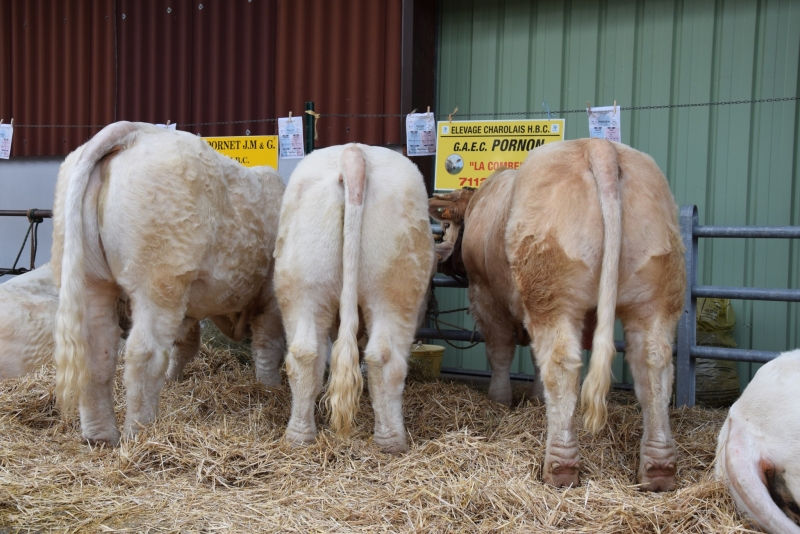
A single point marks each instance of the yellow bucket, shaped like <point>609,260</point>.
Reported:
<point>428,358</point>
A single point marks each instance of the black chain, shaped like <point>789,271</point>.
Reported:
<point>444,115</point>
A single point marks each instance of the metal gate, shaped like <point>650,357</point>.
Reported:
<point>686,349</point>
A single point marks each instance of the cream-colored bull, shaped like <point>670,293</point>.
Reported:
<point>28,305</point>
<point>354,234</point>
<point>759,444</point>
<point>581,224</point>
<point>185,233</point>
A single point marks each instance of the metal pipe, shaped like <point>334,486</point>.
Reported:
<point>465,335</point>
<point>776,232</point>
<point>452,335</point>
<point>310,126</point>
<point>45,214</point>
<point>687,327</point>
<point>747,293</point>
<point>448,281</point>
<point>737,355</point>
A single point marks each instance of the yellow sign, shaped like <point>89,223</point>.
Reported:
<point>249,150</point>
<point>467,152</point>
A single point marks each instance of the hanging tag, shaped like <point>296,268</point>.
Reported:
<point>604,123</point>
<point>420,134</point>
<point>6,132</point>
<point>290,137</point>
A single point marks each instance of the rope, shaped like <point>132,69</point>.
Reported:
<point>442,116</point>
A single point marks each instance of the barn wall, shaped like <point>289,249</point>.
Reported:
<point>738,163</point>
<point>90,62</point>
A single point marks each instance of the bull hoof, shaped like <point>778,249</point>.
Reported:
<point>103,438</point>
<point>657,476</point>
<point>173,377</point>
<point>299,439</point>
<point>562,474</point>
<point>501,397</point>
<point>392,445</point>
<point>269,380</point>
<point>537,390</point>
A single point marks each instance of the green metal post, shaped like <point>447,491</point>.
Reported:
<point>309,128</point>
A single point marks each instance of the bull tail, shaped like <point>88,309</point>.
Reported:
<point>604,165</point>
<point>71,331</point>
<point>749,477</point>
<point>345,382</point>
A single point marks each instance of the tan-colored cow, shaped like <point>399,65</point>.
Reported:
<point>185,233</point>
<point>581,224</point>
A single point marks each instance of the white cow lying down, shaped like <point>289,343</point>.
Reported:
<point>28,305</point>
<point>185,233</point>
<point>758,452</point>
<point>354,235</point>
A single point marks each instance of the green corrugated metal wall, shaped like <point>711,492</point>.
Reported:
<point>738,163</point>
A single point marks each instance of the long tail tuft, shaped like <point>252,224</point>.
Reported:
<point>345,382</point>
<point>603,160</point>
<point>71,332</point>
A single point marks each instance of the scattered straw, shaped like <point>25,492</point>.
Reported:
<point>214,460</point>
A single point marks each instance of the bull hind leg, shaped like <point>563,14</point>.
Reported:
<point>387,356</point>
<point>649,353</point>
<point>557,350</point>
<point>98,421</point>
<point>268,344</point>
<point>185,349</point>
<point>496,326</point>
<point>147,354</point>
<point>305,367</point>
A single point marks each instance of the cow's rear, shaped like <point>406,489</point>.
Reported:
<point>586,224</point>
<point>181,231</point>
<point>354,235</point>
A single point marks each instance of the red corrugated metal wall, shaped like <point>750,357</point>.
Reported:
<point>345,61</point>
<point>82,62</point>
<point>5,59</point>
<point>58,74</point>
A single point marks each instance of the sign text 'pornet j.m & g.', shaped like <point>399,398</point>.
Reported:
<point>467,152</point>
<point>249,150</point>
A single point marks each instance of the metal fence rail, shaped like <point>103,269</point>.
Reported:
<point>688,350</point>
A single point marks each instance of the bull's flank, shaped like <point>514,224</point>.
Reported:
<point>215,460</point>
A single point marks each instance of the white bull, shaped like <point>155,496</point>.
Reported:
<point>28,305</point>
<point>757,450</point>
<point>354,235</point>
<point>183,232</point>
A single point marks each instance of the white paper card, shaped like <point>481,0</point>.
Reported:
<point>6,132</point>
<point>290,137</point>
<point>604,123</point>
<point>420,134</point>
<point>171,126</point>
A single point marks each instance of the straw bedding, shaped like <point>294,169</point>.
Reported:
<point>214,460</point>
